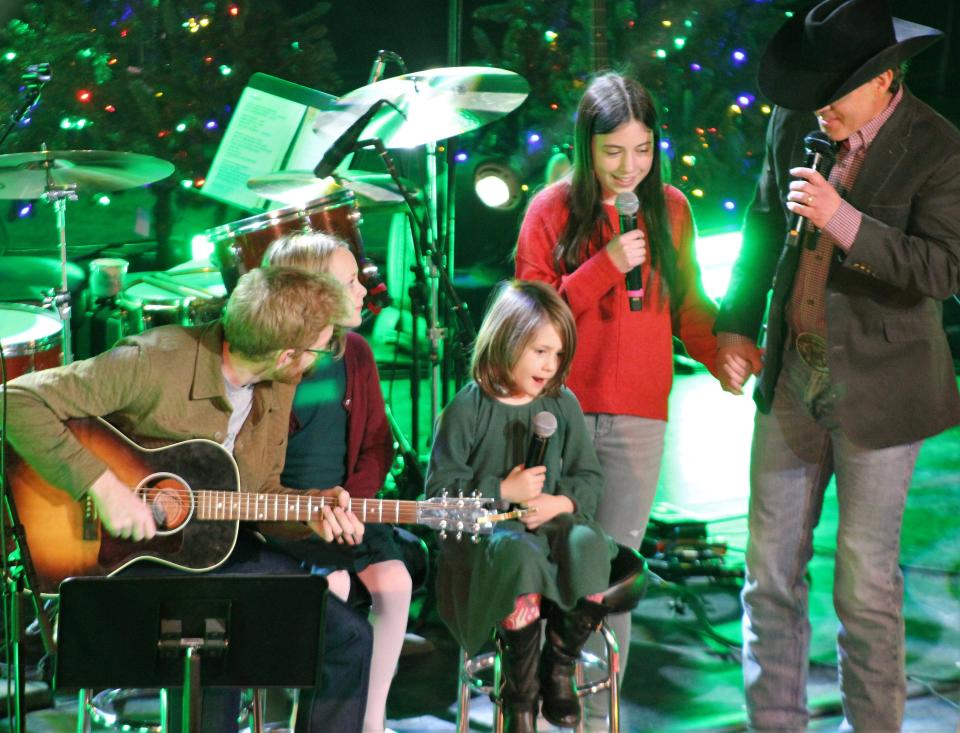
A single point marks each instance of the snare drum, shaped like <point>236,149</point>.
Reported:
<point>190,294</point>
<point>239,247</point>
<point>31,338</point>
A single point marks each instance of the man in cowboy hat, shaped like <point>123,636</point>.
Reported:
<point>856,369</point>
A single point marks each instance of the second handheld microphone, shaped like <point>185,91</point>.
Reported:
<point>627,206</point>
<point>543,425</point>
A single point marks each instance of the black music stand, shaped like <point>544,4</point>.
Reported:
<point>249,630</point>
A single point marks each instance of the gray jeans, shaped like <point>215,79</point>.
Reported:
<point>796,450</point>
<point>630,450</point>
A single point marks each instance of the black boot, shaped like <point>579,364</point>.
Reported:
<point>567,632</point>
<point>520,651</point>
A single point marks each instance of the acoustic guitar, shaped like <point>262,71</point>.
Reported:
<point>193,490</point>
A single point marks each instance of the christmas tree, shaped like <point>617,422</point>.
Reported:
<point>157,77</point>
<point>699,60</point>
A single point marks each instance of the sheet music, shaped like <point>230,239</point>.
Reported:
<point>255,143</point>
<point>270,130</point>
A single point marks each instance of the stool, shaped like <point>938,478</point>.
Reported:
<point>143,710</point>
<point>628,583</point>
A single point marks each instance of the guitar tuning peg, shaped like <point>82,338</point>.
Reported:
<point>459,536</point>
<point>475,539</point>
<point>443,534</point>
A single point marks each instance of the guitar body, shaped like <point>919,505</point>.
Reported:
<point>65,538</point>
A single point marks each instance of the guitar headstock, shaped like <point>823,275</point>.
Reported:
<point>472,515</point>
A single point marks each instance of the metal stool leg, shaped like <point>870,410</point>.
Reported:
<point>256,710</point>
<point>463,696</point>
<point>613,670</point>
<point>609,682</point>
<point>469,680</point>
<point>84,698</point>
<point>498,690</point>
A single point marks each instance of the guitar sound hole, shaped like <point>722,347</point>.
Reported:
<point>170,501</point>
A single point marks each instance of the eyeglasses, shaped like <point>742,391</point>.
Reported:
<point>318,352</point>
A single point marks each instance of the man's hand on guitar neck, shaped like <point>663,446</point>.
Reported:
<point>339,523</point>
<point>122,512</point>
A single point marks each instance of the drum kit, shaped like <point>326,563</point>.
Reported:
<point>406,111</point>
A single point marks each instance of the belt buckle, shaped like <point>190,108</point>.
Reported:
<point>813,350</point>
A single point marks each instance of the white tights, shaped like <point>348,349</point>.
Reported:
<point>390,588</point>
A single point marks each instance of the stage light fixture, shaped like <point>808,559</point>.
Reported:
<point>496,185</point>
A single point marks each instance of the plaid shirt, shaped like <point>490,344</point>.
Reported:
<point>806,311</point>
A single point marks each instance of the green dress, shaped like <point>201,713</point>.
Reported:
<point>478,441</point>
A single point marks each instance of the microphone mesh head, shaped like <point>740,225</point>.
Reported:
<point>819,142</point>
<point>627,203</point>
<point>544,424</point>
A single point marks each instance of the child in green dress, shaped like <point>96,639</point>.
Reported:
<point>555,560</point>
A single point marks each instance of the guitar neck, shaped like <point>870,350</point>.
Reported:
<point>250,507</point>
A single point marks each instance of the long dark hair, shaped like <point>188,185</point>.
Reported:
<point>612,100</point>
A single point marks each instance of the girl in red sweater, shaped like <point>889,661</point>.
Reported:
<point>623,369</point>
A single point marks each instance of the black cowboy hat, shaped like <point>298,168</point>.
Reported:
<point>821,55</point>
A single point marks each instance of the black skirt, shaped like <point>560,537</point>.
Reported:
<point>378,545</point>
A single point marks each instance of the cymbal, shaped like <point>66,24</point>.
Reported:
<point>28,279</point>
<point>27,175</point>
<point>430,105</point>
<point>297,187</point>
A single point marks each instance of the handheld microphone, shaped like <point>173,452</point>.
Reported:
<point>543,425</point>
<point>344,144</point>
<point>821,154</point>
<point>627,206</point>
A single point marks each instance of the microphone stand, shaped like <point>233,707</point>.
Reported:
<point>424,250</point>
<point>20,578</point>
<point>32,79</point>
<point>438,274</point>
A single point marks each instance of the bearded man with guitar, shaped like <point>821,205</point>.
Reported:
<point>229,383</point>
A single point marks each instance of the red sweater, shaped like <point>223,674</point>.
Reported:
<point>624,359</point>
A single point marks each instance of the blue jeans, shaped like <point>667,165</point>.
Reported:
<point>796,450</point>
<point>339,704</point>
<point>630,451</point>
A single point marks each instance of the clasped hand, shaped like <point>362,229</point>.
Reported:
<point>735,364</point>
<point>524,486</point>
<point>628,250</point>
<point>812,197</point>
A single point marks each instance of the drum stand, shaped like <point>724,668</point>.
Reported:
<point>438,279</point>
<point>58,196</point>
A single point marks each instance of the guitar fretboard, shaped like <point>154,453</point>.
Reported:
<point>251,507</point>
